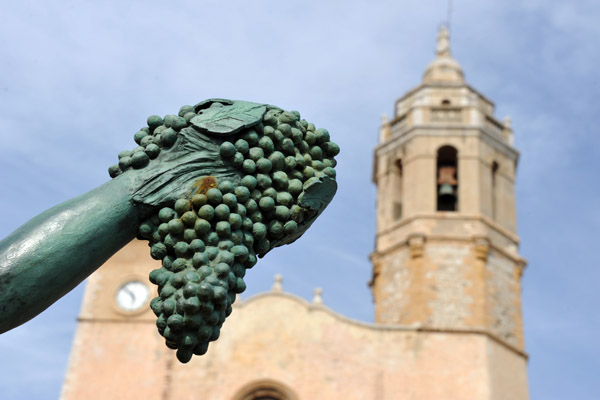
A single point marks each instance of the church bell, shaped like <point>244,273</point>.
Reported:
<point>447,182</point>
<point>446,190</point>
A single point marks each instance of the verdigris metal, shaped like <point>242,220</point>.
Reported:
<point>211,189</point>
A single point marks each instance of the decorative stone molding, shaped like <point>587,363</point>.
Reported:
<point>446,115</point>
<point>377,265</point>
<point>481,248</point>
<point>385,130</point>
<point>416,243</point>
<point>520,268</point>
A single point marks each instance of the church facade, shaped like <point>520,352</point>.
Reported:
<point>446,285</point>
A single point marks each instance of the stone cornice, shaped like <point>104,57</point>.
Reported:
<point>457,216</point>
<point>467,238</point>
<point>468,130</point>
<point>448,85</point>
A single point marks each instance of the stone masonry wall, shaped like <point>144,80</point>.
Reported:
<point>503,298</point>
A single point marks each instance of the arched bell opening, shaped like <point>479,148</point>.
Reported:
<point>447,179</point>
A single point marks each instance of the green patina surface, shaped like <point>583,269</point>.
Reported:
<point>211,189</point>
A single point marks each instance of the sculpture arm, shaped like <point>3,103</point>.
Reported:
<point>53,252</point>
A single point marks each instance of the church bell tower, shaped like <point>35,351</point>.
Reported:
<point>446,255</point>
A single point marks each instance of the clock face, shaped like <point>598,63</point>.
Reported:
<point>132,295</point>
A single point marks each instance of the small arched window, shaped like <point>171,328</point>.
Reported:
<point>447,179</point>
<point>397,205</point>
<point>494,190</point>
<point>445,102</point>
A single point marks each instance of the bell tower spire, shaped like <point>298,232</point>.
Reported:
<point>444,68</point>
<point>443,43</point>
<point>446,255</point>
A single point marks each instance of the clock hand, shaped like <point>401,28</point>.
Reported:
<point>130,293</point>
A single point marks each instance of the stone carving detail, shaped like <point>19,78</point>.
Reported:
<point>416,243</point>
<point>482,248</point>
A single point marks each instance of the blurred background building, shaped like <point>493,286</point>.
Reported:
<point>445,284</point>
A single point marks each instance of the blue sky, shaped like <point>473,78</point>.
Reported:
<point>78,79</point>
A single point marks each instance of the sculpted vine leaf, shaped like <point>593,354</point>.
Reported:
<point>228,119</point>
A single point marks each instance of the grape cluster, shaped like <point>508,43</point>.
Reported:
<point>276,163</point>
<point>204,244</point>
<point>159,134</point>
<point>207,240</point>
